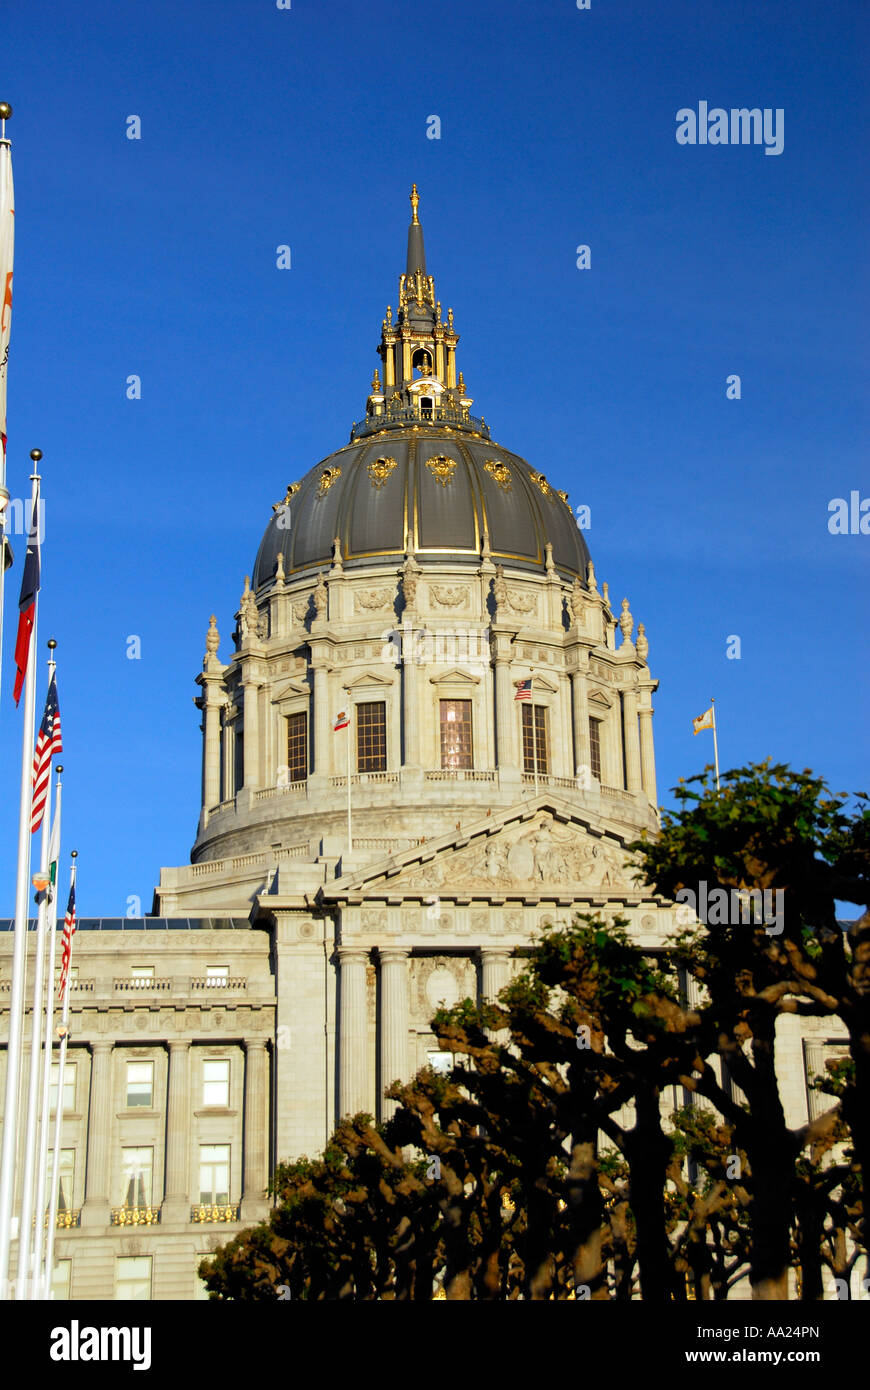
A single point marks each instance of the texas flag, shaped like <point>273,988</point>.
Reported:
<point>27,601</point>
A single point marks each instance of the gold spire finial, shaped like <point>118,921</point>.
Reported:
<point>415,202</point>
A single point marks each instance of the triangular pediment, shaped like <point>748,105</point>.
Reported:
<point>455,677</point>
<point>368,678</point>
<point>293,686</point>
<point>542,848</point>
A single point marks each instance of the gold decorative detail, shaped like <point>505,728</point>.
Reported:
<point>564,497</point>
<point>291,488</point>
<point>135,1216</point>
<point>205,1213</point>
<point>500,471</point>
<point>327,478</point>
<point>379,470</point>
<point>415,203</point>
<point>540,481</point>
<point>442,468</point>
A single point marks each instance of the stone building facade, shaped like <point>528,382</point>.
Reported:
<point>423,613</point>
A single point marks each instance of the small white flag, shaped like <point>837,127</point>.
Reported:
<point>704,721</point>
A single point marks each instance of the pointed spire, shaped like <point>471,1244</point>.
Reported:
<point>416,252</point>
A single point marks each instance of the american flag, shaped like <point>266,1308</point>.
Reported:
<point>69,926</point>
<point>524,690</point>
<point>47,745</point>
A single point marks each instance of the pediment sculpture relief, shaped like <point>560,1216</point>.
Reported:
<point>543,854</point>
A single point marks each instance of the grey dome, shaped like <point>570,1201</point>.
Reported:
<point>376,492</point>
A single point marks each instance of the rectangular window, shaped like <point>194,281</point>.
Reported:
<point>137,1173</point>
<point>60,1279</point>
<point>371,737</point>
<point>535,738</point>
<point>297,747</point>
<point>200,1292</point>
<point>216,1082</point>
<point>67,1174</point>
<point>132,1278</point>
<point>69,1086</point>
<point>456,746</point>
<point>140,1084</point>
<point>238,737</point>
<point>214,1175</point>
<point>595,747</point>
<point>439,1061</point>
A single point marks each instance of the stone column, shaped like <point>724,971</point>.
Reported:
<point>394,1020</point>
<point>322,761</point>
<point>251,735</point>
<point>495,973</point>
<point>256,1150</point>
<point>411,720</point>
<point>95,1211</point>
<point>211,747</point>
<point>504,713</point>
<point>632,740</point>
<point>647,755</point>
<point>582,751</point>
<point>176,1201</point>
<point>353,1031</point>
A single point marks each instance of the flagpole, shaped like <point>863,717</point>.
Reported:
<point>715,742</point>
<point>39,1230</point>
<point>63,1035</point>
<point>5,195</point>
<point>22,903</point>
<point>28,1173</point>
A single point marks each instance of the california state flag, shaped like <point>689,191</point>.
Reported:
<point>704,721</point>
<point>7,245</point>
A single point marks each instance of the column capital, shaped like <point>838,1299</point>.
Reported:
<point>102,1045</point>
<point>255,1044</point>
<point>353,955</point>
<point>500,954</point>
<point>393,954</point>
<point>177,1044</point>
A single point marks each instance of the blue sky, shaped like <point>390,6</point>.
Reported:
<point>263,127</point>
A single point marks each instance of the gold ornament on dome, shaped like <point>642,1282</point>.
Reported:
<point>291,489</point>
<point>327,478</point>
<point>379,470</point>
<point>500,472</point>
<point>564,497</point>
<point>442,468</point>
<point>540,481</point>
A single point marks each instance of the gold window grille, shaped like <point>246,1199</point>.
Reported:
<point>595,747</point>
<point>371,736</point>
<point>297,747</point>
<point>456,742</point>
<point>535,738</point>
